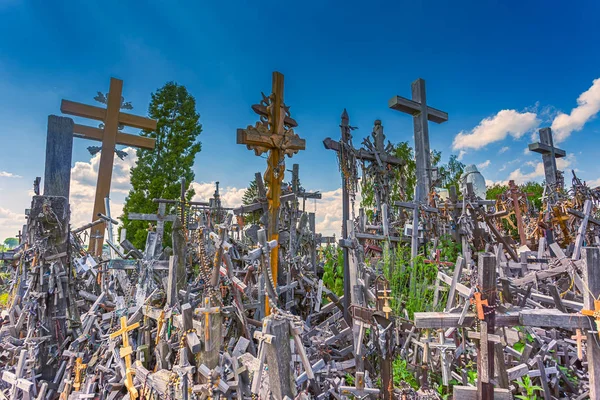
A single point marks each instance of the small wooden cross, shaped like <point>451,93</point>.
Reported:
<point>595,314</point>
<point>479,305</point>
<point>580,338</point>
<point>484,337</point>
<point>207,310</point>
<point>110,136</point>
<point>125,353</point>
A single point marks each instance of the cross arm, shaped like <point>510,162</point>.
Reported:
<point>97,113</point>
<point>91,133</point>
<point>552,318</point>
<point>331,144</point>
<point>579,214</point>
<point>542,148</point>
<point>151,217</point>
<point>411,107</point>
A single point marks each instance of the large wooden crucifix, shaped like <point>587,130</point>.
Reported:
<point>549,153</point>
<point>110,136</point>
<point>421,113</point>
<point>274,134</point>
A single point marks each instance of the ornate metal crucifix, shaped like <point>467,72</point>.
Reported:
<point>273,134</point>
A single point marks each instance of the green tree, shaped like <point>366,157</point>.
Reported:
<point>449,174</point>
<point>11,242</point>
<point>536,190</point>
<point>158,172</point>
<point>250,196</point>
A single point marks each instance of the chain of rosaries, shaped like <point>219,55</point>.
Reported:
<point>205,269</point>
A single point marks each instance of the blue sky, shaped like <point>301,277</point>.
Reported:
<point>533,59</point>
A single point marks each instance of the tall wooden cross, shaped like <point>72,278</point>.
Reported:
<point>110,136</point>
<point>549,153</point>
<point>273,134</point>
<point>347,155</point>
<point>421,113</point>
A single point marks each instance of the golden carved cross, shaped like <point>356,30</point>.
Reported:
<point>110,136</point>
<point>273,134</point>
<point>125,353</point>
<point>79,368</point>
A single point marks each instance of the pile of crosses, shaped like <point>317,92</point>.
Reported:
<point>227,309</point>
<point>521,305</point>
<point>235,307</point>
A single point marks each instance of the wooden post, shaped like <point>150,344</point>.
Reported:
<point>59,150</point>
<point>591,275</point>
<point>486,280</point>
<point>279,355</point>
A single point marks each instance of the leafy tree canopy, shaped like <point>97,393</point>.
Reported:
<point>158,172</point>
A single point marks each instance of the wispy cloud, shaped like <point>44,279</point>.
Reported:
<point>538,170</point>
<point>4,174</point>
<point>503,150</point>
<point>484,165</point>
<point>588,105</point>
<point>496,128</point>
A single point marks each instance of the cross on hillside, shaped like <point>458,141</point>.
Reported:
<point>421,113</point>
<point>110,136</point>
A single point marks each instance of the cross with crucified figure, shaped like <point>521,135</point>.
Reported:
<point>273,134</point>
<point>110,136</point>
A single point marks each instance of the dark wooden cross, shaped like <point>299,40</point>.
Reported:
<point>343,146</point>
<point>549,153</point>
<point>515,194</point>
<point>273,134</point>
<point>110,136</point>
<point>421,112</point>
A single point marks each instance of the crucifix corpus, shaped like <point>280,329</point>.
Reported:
<point>274,134</point>
<point>113,120</point>
<point>421,113</point>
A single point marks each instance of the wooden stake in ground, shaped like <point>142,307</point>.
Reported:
<point>273,134</point>
<point>110,136</point>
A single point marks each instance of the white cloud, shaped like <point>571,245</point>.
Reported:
<point>538,170</point>
<point>483,165</point>
<point>588,105</point>
<point>11,222</point>
<point>503,150</point>
<point>4,174</point>
<point>496,128</point>
<point>461,155</point>
<point>230,196</point>
<point>593,183</point>
<point>84,176</point>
